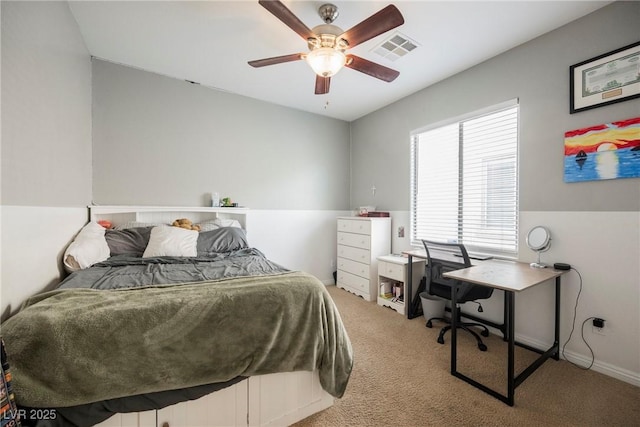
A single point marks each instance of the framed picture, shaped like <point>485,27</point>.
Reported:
<point>605,79</point>
<point>606,151</point>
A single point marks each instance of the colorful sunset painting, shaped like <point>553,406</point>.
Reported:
<point>607,151</point>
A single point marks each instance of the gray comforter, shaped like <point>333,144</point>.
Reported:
<point>128,271</point>
<point>73,346</point>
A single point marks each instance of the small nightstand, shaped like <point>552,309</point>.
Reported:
<point>393,268</point>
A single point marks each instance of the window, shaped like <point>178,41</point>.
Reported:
<point>464,182</point>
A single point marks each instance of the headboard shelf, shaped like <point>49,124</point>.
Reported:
<point>165,214</point>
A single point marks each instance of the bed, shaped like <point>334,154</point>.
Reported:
<point>173,327</point>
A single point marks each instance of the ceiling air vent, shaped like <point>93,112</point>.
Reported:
<point>395,47</point>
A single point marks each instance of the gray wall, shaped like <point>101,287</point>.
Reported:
<point>46,107</point>
<point>163,141</point>
<point>538,74</point>
<point>46,145</point>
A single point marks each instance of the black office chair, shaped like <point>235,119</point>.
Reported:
<point>442,257</point>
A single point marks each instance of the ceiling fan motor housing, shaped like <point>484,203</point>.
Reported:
<point>327,35</point>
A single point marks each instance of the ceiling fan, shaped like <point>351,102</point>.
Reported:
<point>328,43</point>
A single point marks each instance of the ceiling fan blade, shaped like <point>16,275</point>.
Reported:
<point>371,68</point>
<point>275,60</point>
<point>322,85</point>
<point>281,12</point>
<point>378,23</point>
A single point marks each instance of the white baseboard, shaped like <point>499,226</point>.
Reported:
<point>607,369</point>
<point>603,368</point>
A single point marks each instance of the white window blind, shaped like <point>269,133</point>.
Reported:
<point>465,182</point>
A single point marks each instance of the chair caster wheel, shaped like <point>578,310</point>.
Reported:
<point>482,347</point>
<point>484,333</point>
<point>440,340</point>
<point>429,324</point>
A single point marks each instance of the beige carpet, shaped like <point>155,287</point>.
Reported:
<point>401,378</point>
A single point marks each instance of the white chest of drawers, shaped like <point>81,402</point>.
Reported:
<point>360,241</point>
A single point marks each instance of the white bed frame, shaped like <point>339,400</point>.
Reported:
<point>264,400</point>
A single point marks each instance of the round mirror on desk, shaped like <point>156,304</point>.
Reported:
<point>539,240</point>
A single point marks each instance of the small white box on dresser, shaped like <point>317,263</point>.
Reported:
<point>360,241</point>
<point>394,268</point>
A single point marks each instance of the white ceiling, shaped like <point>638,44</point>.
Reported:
<point>210,42</point>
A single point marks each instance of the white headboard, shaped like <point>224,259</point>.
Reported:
<point>165,214</point>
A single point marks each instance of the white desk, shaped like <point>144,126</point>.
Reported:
<point>511,277</point>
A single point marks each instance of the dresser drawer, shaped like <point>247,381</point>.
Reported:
<point>353,267</point>
<point>356,240</point>
<point>353,281</point>
<point>354,226</point>
<point>355,254</point>
<point>392,271</point>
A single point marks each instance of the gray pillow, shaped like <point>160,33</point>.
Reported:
<point>224,239</point>
<point>131,241</point>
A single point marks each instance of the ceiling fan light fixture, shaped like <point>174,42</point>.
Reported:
<point>327,42</point>
<point>326,61</point>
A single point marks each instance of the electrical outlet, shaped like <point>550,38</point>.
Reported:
<point>598,326</point>
<point>400,231</point>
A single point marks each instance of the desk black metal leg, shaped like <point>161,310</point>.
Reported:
<point>454,328</point>
<point>511,386</point>
<point>505,316</point>
<point>556,341</point>
<point>409,296</point>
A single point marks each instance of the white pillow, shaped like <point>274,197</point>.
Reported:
<point>172,241</point>
<point>208,225</point>
<point>226,222</point>
<point>88,248</point>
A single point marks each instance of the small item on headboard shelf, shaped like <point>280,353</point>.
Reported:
<point>215,200</point>
<point>377,214</point>
<point>227,203</point>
